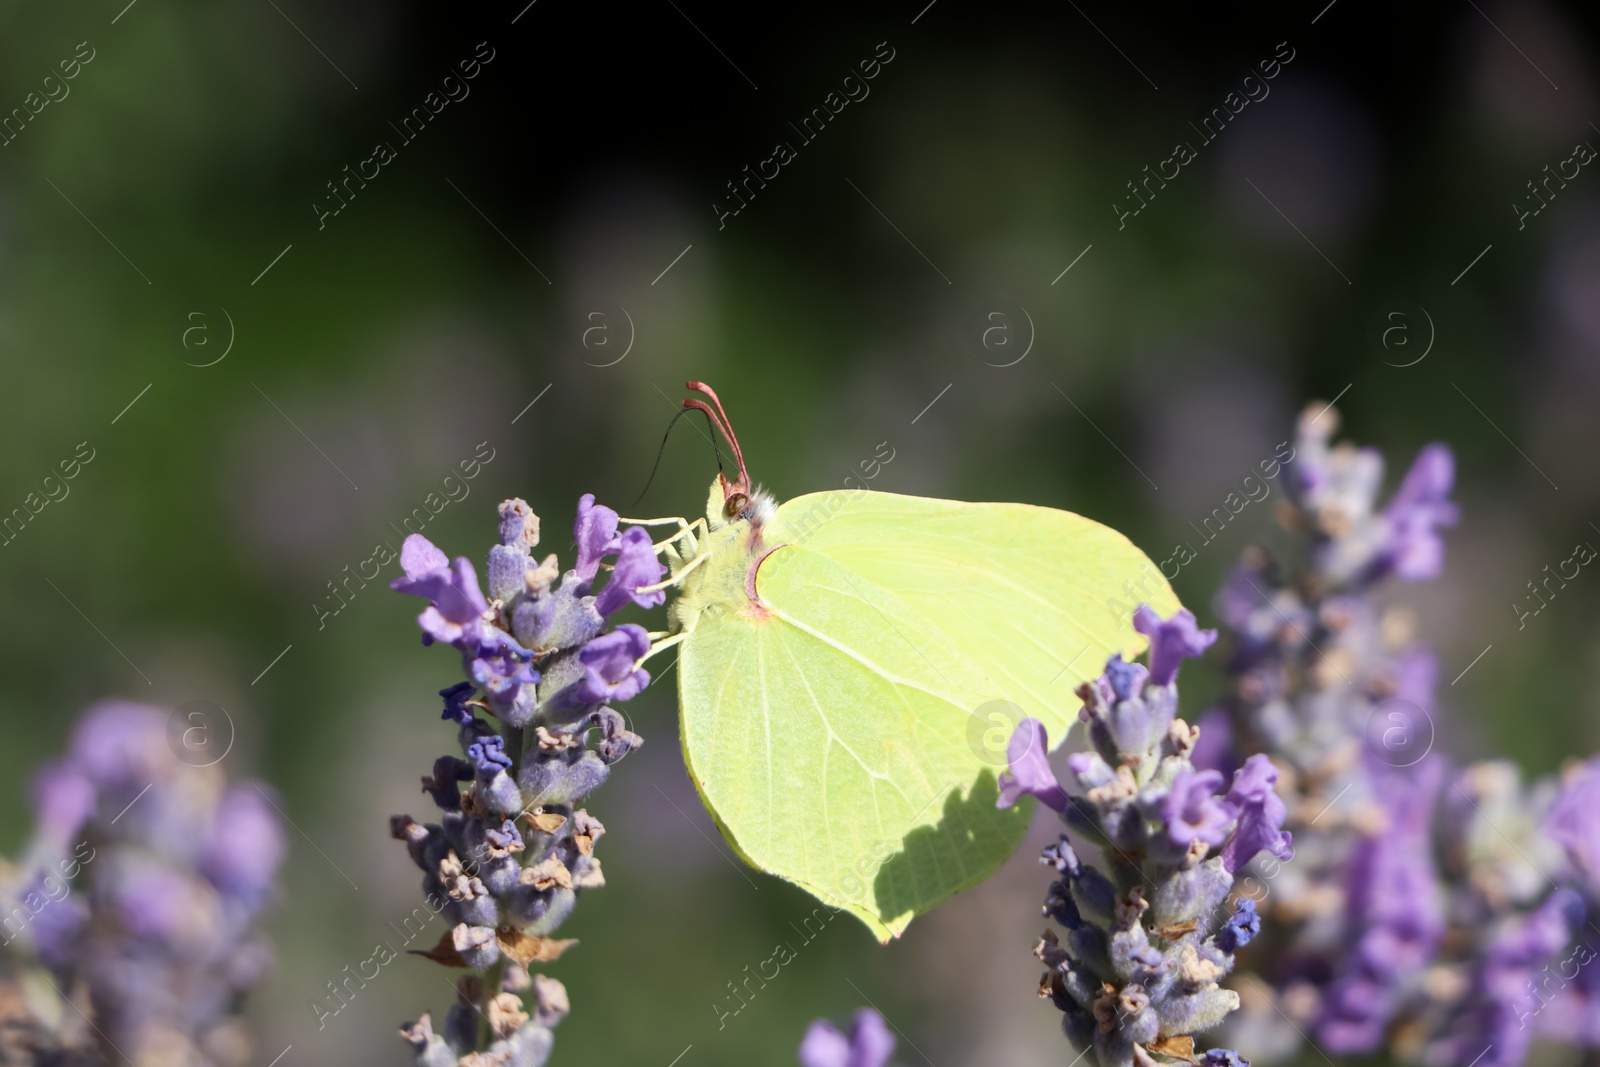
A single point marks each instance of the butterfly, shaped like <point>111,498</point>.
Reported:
<point>852,662</point>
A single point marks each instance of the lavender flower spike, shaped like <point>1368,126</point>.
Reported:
<point>869,1045</point>
<point>513,849</point>
<point>1148,935</point>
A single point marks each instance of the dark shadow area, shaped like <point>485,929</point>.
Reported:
<point>967,820</point>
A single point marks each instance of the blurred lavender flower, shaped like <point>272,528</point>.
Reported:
<point>869,1045</point>
<point>512,849</point>
<point>137,902</point>
<point>1574,822</point>
<point>1489,1023</point>
<point>1149,938</point>
<point>1395,913</point>
<point>1423,901</point>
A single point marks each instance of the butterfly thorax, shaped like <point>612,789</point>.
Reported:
<point>725,582</point>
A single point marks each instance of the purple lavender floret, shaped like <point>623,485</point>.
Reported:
<point>1223,1057</point>
<point>1260,813</point>
<point>513,848</point>
<point>458,615</point>
<point>1171,641</point>
<point>596,534</point>
<point>455,603</point>
<point>636,567</point>
<point>443,784</point>
<point>455,703</point>
<point>1148,935</point>
<point>489,755</point>
<point>1028,772</point>
<point>141,893</point>
<point>608,664</point>
<point>1193,811</point>
<point>1241,927</point>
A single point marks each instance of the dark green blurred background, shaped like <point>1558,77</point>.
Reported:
<point>850,292</point>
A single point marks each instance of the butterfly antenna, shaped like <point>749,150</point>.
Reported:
<point>662,451</point>
<point>722,423</point>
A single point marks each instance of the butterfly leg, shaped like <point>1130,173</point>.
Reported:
<point>683,546</point>
<point>669,520</point>
<point>663,645</point>
<point>678,575</point>
<point>688,530</point>
<point>685,529</point>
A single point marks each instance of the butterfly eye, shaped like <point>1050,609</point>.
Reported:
<point>735,504</point>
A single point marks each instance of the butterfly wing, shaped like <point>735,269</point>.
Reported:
<point>1037,598</point>
<point>828,733</point>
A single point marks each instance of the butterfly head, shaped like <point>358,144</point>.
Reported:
<point>727,503</point>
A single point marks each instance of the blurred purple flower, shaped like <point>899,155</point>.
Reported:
<point>246,846</point>
<point>870,1043</point>
<point>1415,551</point>
<point>144,910</point>
<point>118,744</point>
<point>1574,819</point>
<point>64,799</point>
<point>1396,913</point>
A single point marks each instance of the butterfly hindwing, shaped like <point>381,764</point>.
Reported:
<point>828,734</point>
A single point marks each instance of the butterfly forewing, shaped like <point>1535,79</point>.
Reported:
<point>1037,598</point>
